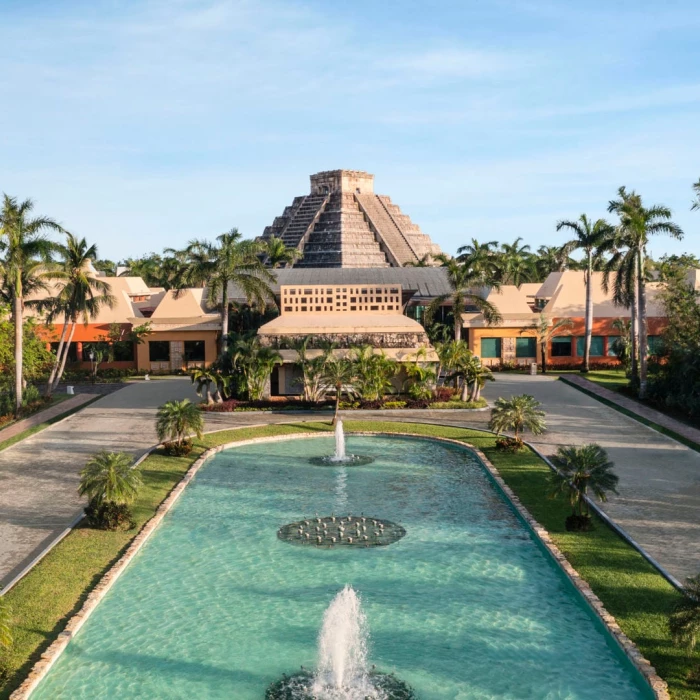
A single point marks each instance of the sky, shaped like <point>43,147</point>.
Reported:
<point>142,125</point>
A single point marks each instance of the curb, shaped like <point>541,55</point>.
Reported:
<point>53,652</point>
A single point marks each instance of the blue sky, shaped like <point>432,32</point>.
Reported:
<point>144,124</point>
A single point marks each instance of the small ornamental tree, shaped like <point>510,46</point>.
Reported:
<point>111,483</point>
<point>518,413</point>
<point>340,378</point>
<point>582,470</point>
<point>176,420</point>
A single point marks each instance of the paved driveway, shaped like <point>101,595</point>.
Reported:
<point>39,476</point>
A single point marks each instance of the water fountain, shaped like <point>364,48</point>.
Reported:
<point>342,672</point>
<point>342,531</point>
<point>340,456</point>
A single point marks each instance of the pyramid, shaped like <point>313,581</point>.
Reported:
<point>342,223</point>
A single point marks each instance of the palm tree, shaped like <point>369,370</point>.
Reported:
<point>109,477</point>
<point>374,373</point>
<point>465,285</point>
<point>340,375</point>
<point>204,378</point>
<point>176,420</point>
<point>451,354</point>
<point>696,203</point>
<point>22,245</point>
<point>480,258</point>
<point>420,380</point>
<point>637,223</point>
<point>622,344</point>
<point>552,259</point>
<point>475,376</point>
<point>5,620</point>
<point>518,413</point>
<point>278,255</point>
<point>579,470</point>
<point>593,238</point>
<point>544,330</point>
<point>684,622</point>
<point>256,362</point>
<point>233,261</point>
<point>425,261</point>
<point>82,296</point>
<point>311,369</point>
<point>515,263</point>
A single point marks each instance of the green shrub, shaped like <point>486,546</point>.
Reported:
<point>109,516</point>
<point>394,404</point>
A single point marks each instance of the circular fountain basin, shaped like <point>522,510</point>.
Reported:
<point>299,686</point>
<point>347,461</point>
<point>346,531</point>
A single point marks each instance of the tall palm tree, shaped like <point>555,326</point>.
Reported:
<point>552,259</point>
<point>544,330</point>
<point>340,375</point>
<point>684,622</point>
<point>465,285</point>
<point>696,203</point>
<point>22,245</point>
<point>593,238</point>
<point>637,223</point>
<point>481,258</point>
<point>425,261</point>
<point>517,413</point>
<point>81,297</point>
<point>109,477</point>
<point>176,420</point>
<point>231,261</point>
<point>516,263</point>
<point>579,470</point>
<point>278,255</point>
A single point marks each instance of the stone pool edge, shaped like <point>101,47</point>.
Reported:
<point>49,657</point>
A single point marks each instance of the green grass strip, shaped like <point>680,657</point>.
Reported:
<point>41,426</point>
<point>631,414</point>
<point>630,588</point>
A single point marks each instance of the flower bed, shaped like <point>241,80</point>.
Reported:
<point>281,404</point>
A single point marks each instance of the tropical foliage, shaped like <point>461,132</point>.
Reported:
<point>684,622</point>
<point>111,483</point>
<point>255,362</point>
<point>581,470</point>
<point>176,420</point>
<point>374,373</point>
<point>518,413</point>
<point>544,329</point>
<point>340,378</point>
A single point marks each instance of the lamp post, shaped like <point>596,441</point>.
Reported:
<point>92,363</point>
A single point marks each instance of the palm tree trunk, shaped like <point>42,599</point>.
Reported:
<point>66,350</point>
<point>634,329</point>
<point>224,318</point>
<point>543,347</point>
<point>19,353</point>
<point>465,390</point>
<point>642,301</point>
<point>59,352</point>
<point>209,398</point>
<point>589,316</point>
<point>458,323</point>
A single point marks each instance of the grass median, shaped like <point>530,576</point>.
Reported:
<point>628,585</point>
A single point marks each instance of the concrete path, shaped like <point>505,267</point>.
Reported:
<point>42,416</point>
<point>651,414</point>
<point>39,475</point>
<point>659,501</point>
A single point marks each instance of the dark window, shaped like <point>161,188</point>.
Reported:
<point>561,346</point>
<point>159,351</point>
<point>124,351</point>
<point>194,351</point>
<point>611,345</point>
<point>655,344</point>
<point>525,347</point>
<point>596,346</point>
<point>72,351</point>
<point>490,347</point>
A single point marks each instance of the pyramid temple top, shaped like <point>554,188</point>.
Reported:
<point>350,181</point>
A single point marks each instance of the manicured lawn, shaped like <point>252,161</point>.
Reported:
<point>613,379</point>
<point>629,587</point>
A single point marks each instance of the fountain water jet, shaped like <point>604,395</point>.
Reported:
<point>342,672</point>
<point>340,456</point>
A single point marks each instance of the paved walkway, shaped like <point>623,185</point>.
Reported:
<point>39,475</point>
<point>651,414</point>
<point>42,416</point>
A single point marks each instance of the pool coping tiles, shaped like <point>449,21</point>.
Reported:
<point>56,648</point>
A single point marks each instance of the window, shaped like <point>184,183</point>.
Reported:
<point>194,351</point>
<point>525,347</point>
<point>596,346</point>
<point>72,351</point>
<point>490,347</point>
<point>655,344</point>
<point>612,339</point>
<point>561,346</point>
<point>159,351</point>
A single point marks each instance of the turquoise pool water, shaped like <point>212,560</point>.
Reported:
<point>466,605</point>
